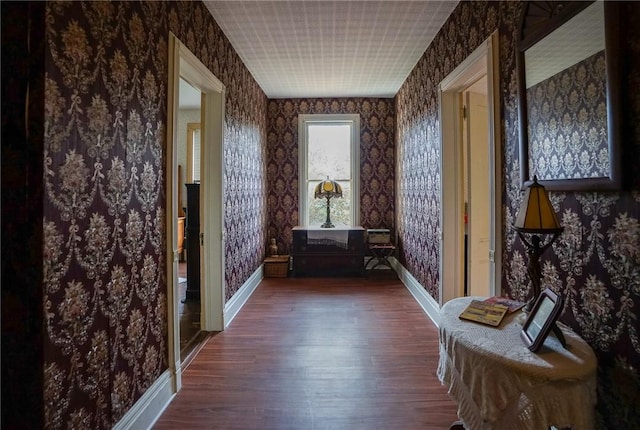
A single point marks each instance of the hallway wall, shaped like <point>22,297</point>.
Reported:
<point>97,290</point>
<point>84,294</point>
<point>377,206</point>
<point>595,264</point>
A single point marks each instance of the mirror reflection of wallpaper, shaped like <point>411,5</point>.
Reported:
<point>567,116</point>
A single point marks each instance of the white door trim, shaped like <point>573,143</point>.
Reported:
<point>484,60</point>
<point>183,63</point>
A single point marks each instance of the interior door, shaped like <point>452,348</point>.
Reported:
<point>478,194</point>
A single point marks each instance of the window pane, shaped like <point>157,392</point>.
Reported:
<point>340,206</point>
<point>196,155</point>
<point>329,151</point>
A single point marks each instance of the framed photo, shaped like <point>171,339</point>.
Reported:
<point>541,320</point>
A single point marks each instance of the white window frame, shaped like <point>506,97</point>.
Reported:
<point>304,120</point>
<point>194,138</point>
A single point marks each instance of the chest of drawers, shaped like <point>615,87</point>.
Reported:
<point>328,252</point>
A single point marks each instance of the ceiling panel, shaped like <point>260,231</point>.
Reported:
<point>330,48</point>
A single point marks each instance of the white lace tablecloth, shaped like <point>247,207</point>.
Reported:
<point>328,236</point>
<point>499,384</point>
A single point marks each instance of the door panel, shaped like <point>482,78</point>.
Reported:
<point>478,194</point>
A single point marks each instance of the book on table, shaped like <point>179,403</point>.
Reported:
<point>484,312</point>
<point>513,305</point>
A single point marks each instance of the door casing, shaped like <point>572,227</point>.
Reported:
<point>183,63</point>
<point>484,60</point>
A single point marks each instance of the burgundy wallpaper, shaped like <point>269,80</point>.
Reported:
<point>418,145</point>
<point>245,213</point>
<point>568,123</point>
<point>244,149</point>
<point>103,297</point>
<point>105,300</point>
<point>595,264</point>
<point>376,161</point>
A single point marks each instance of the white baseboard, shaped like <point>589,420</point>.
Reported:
<point>233,306</point>
<point>428,304</point>
<point>146,411</point>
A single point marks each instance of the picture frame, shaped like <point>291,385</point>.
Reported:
<point>542,320</point>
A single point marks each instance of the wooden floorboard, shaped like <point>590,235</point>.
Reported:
<point>318,353</point>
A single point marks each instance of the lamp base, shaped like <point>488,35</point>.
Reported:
<point>535,248</point>
<point>328,224</point>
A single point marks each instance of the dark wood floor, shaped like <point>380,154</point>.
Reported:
<point>309,353</point>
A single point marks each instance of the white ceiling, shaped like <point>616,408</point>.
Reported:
<point>306,48</point>
<point>577,39</point>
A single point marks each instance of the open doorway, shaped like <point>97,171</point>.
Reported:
<point>206,242</point>
<point>471,178</point>
<point>477,185</point>
<point>188,154</point>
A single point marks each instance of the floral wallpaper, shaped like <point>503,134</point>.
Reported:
<point>105,295</point>
<point>568,123</point>
<point>104,298</point>
<point>418,139</point>
<point>245,213</point>
<point>88,306</point>
<point>376,161</point>
<point>595,264</point>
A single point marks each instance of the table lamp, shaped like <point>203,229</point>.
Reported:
<point>536,218</point>
<point>328,189</point>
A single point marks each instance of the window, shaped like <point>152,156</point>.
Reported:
<point>193,152</point>
<point>329,146</point>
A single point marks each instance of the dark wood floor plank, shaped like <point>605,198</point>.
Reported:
<point>316,353</point>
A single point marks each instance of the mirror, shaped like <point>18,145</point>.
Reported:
<point>568,95</point>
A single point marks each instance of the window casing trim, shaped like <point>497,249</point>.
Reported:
<point>304,120</point>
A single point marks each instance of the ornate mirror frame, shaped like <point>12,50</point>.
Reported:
<point>539,20</point>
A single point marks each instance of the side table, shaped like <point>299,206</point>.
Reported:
<point>499,384</point>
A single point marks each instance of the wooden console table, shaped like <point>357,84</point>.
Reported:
<point>328,251</point>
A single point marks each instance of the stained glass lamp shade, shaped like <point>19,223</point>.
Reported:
<point>328,189</point>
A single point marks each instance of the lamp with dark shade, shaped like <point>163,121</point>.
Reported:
<point>328,189</point>
<point>536,218</point>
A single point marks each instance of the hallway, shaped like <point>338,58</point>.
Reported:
<point>318,353</point>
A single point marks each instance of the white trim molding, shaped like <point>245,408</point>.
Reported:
<point>426,302</point>
<point>184,64</point>
<point>241,296</point>
<point>353,120</point>
<point>146,411</point>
